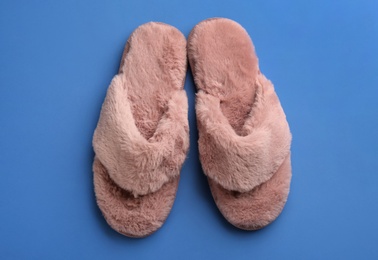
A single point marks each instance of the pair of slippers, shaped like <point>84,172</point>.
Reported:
<point>142,137</point>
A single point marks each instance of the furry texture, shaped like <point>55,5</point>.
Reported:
<point>244,138</point>
<point>134,163</point>
<point>142,136</point>
<point>241,163</point>
<point>257,208</point>
<point>130,216</point>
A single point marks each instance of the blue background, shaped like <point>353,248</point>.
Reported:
<point>56,61</point>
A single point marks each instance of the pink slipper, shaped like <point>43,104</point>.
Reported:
<point>244,138</point>
<point>142,136</point>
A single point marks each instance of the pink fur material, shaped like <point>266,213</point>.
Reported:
<point>142,136</point>
<point>244,138</point>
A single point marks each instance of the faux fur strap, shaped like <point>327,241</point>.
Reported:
<point>135,164</point>
<point>237,162</point>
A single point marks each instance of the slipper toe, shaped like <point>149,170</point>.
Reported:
<point>128,215</point>
<point>259,207</point>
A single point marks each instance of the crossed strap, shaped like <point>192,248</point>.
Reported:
<point>240,163</point>
<point>134,163</point>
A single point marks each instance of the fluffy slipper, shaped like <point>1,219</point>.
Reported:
<point>142,136</point>
<point>244,138</point>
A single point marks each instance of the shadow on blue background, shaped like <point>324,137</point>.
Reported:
<point>56,61</point>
